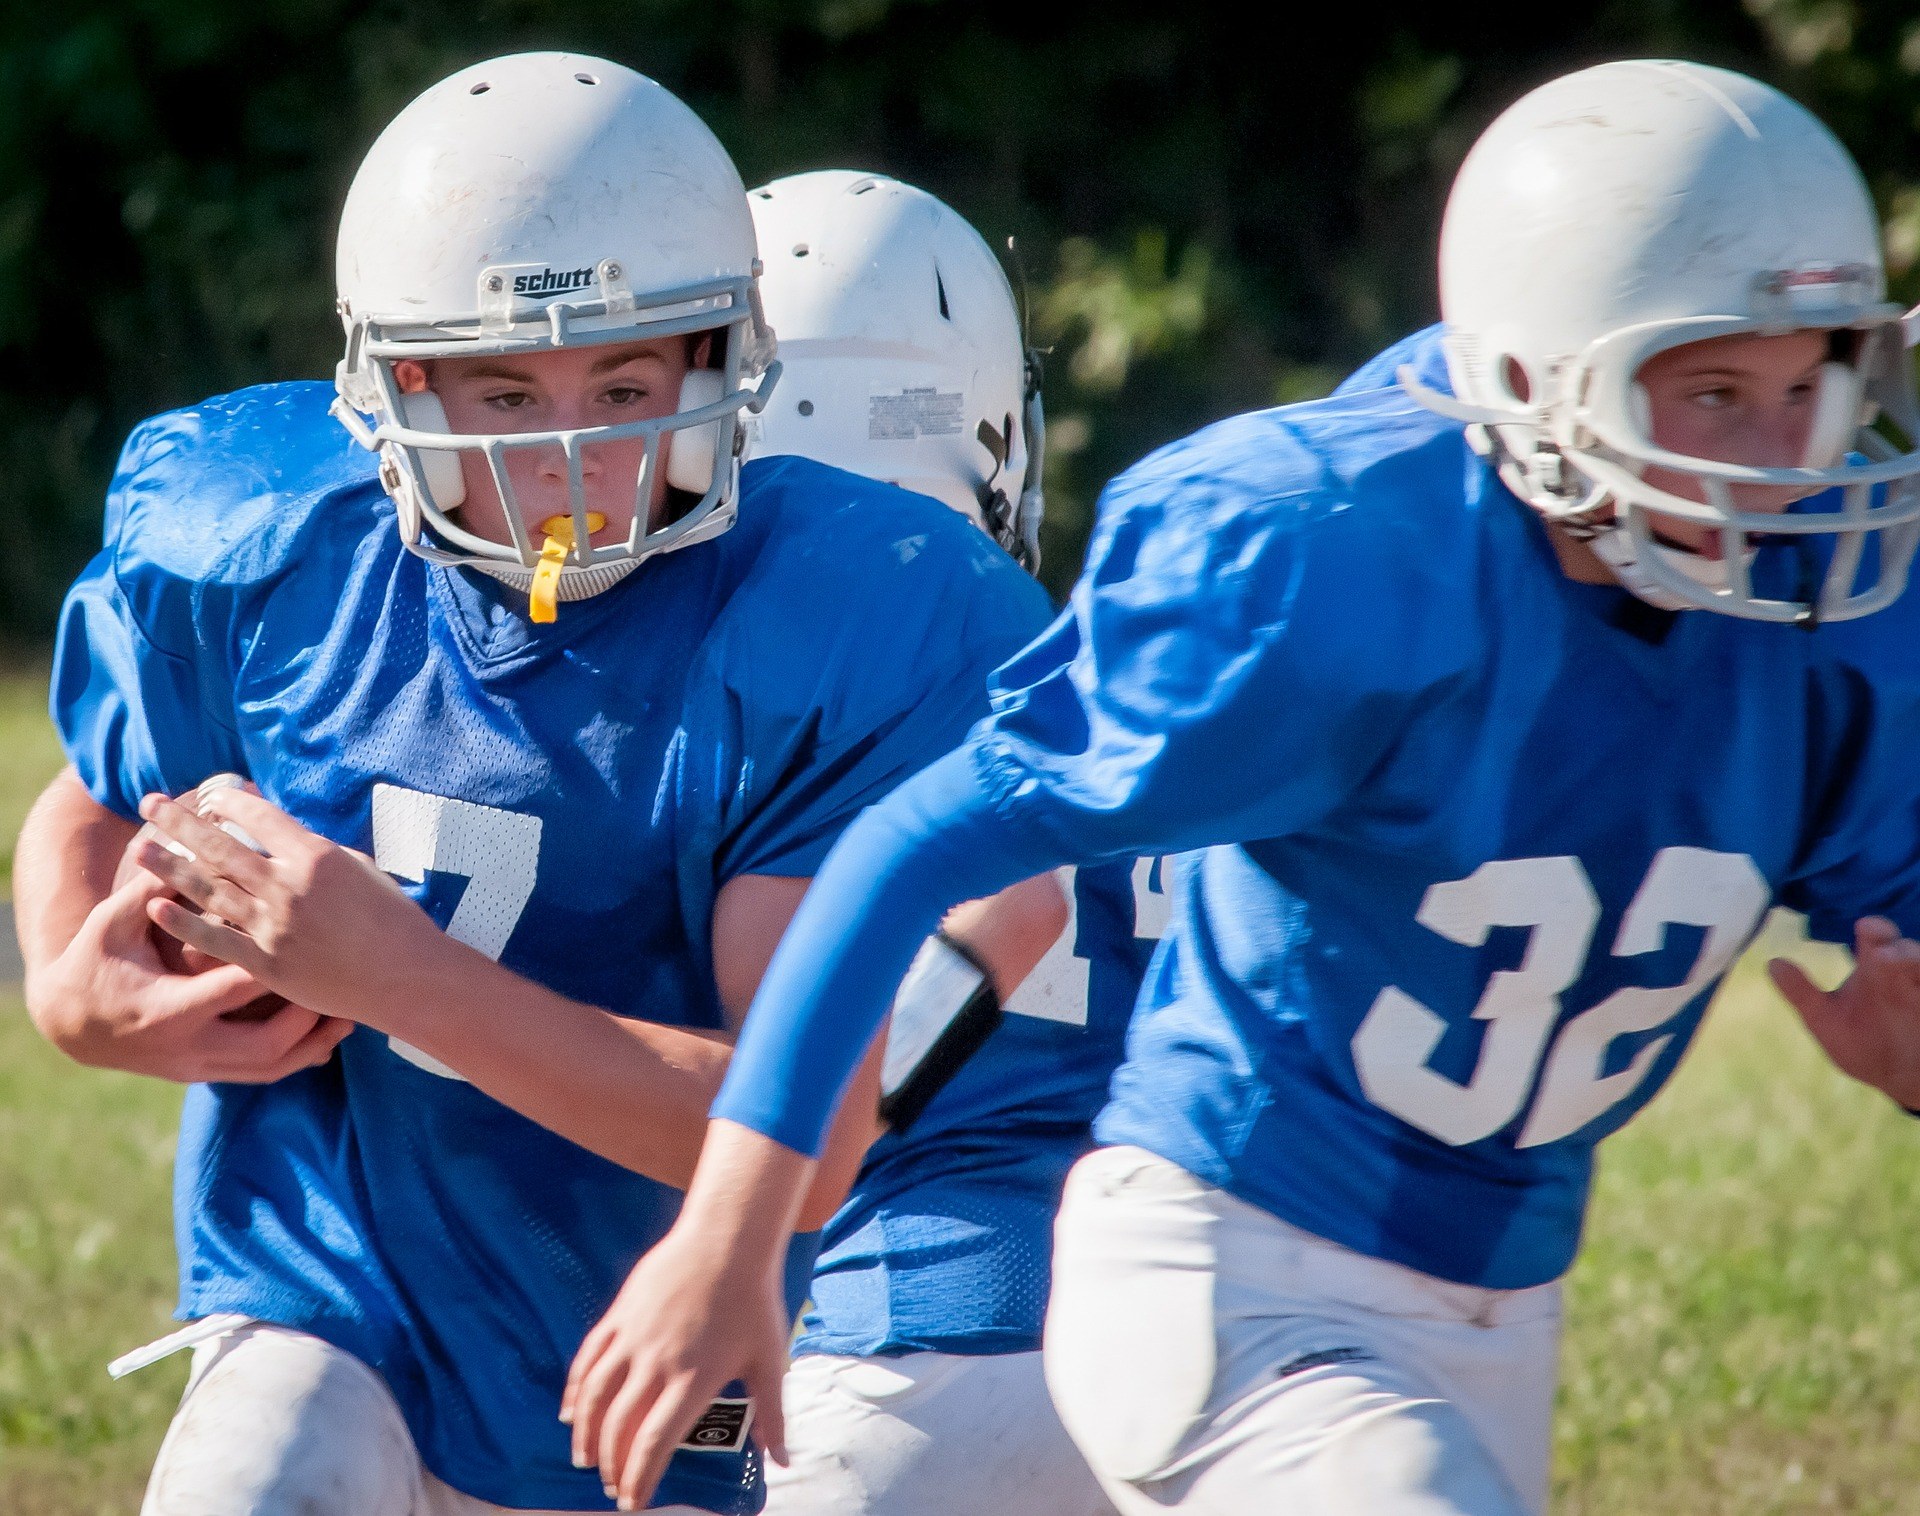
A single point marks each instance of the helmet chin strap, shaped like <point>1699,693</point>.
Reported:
<point>1617,551</point>
<point>1620,554</point>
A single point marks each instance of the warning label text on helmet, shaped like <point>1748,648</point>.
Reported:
<point>919,411</point>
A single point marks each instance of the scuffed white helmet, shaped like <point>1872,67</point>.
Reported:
<point>901,348</point>
<point>534,202</point>
<point>1635,207</point>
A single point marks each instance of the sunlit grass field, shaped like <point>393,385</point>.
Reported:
<point>1744,1333</point>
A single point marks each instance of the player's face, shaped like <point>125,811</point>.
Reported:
<point>559,391</point>
<point>1743,399</point>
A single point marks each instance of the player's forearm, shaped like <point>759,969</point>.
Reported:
<point>634,1092</point>
<point>934,842</point>
<point>63,867</point>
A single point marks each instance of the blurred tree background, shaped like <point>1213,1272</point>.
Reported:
<point>1208,221</point>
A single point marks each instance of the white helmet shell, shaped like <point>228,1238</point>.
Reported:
<point>901,348</point>
<point>1635,207</point>
<point>534,202</point>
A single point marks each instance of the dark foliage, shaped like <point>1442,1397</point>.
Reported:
<point>1217,208</point>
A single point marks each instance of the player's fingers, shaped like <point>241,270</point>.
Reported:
<point>273,1039</point>
<point>212,937</point>
<point>1801,993</point>
<point>598,1386</point>
<point>661,1430</point>
<point>277,831</point>
<point>763,1383</point>
<point>1871,932</point>
<point>209,995</point>
<point>626,1409</point>
<point>189,878</point>
<point>218,852</point>
<point>120,921</point>
<point>591,1347</point>
<point>318,1045</point>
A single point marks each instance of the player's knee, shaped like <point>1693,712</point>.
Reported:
<point>280,1424</point>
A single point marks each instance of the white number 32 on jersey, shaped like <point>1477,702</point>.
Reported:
<point>1721,892</point>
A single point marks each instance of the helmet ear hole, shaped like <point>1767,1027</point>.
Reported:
<point>692,450</point>
<point>422,411</point>
<point>1514,378</point>
<point>1837,415</point>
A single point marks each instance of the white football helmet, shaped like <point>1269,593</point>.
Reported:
<point>542,201</point>
<point>901,349</point>
<point>1634,207</point>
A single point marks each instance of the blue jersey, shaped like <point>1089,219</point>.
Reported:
<point>1477,840</point>
<point>568,798</point>
<point>945,1243</point>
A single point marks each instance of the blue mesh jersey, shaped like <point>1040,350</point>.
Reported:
<point>1475,841</point>
<point>569,798</point>
<point>945,1243</point>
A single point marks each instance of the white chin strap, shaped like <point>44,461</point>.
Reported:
<point>575,583</point>
<point>1615,548</point>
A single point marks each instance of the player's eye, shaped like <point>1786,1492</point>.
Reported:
<point>627,394</point>
<point>1716,397</point>
<point>508,400</point>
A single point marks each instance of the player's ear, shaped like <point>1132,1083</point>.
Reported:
<point>411,376</point>
<point>699,349</point>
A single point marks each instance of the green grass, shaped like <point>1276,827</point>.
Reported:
<point>86,1272</point>
<point>29,752</point>
<point>1744,1326</point>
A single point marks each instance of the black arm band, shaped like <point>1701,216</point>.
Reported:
<point>945,1011</point>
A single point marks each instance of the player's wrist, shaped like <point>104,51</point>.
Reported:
<point>746,1193</point>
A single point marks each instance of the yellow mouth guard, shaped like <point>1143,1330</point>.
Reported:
<point>543,598</point>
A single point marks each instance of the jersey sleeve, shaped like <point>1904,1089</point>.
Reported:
<point>839,710</point>
<point>1236,658</point>
<point>140,692</point>
<point>1863,852</point>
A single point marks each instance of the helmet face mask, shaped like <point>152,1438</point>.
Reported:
<point>616,219</point>
<point>903,351</point>
<point>1559,285</point>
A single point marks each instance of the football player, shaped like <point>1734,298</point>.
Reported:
<point>1495,727</point>
<point>916,1387</point>
<point>514,626</point>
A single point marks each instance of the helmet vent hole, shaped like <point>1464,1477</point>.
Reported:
<point>940,287</point>
<point>587,78</point>
<point>480,89</point>
<point>863,186</point>
<point>1513,378</point>
<point>800,250</point>
<point>806,407</point>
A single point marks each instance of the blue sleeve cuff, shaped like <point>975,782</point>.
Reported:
<point>895,873</point>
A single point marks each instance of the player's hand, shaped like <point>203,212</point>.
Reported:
<point>686,1322</point>
<point>1870,1025</point>
<point>311,920</point>
<point>113,1001</point>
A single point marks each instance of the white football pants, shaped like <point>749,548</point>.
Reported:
<point>927,1434</point>
<point>277,1423</point>
<point>1209,1358</point>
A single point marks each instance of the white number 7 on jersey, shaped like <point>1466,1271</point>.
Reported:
<point>498,852</point>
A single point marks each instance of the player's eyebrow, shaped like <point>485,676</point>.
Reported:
<point>525,374</point>
<point>619,359</point>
